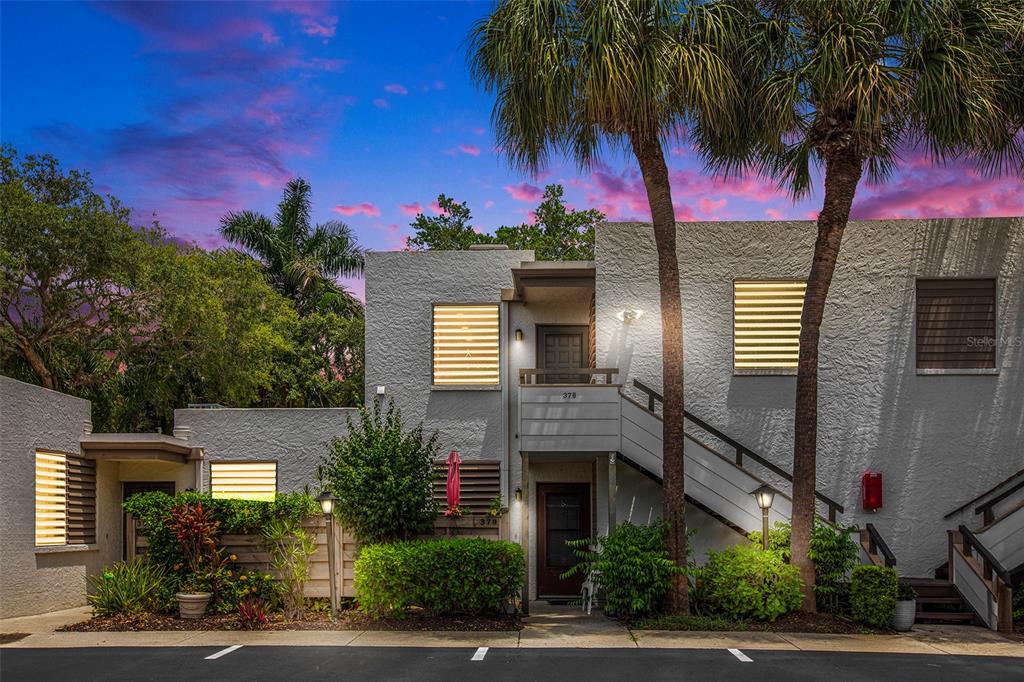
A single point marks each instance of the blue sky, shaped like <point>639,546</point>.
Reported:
<point>188,110</point>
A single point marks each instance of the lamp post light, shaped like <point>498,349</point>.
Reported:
<point>327,500</point>
<point>764,495</point>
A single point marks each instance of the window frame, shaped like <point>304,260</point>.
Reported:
<point>758,371</point>
<point>497,385</point>
<point>962,371</point>
<point>277,476</point>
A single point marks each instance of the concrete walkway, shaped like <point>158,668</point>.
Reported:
<point>552,627</point>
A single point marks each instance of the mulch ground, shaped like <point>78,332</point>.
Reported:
<point>347,620</point>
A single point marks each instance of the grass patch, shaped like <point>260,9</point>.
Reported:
<point>702,623</point>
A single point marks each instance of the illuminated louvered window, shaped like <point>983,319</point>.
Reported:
<point>244,480</point>
<point>51,499</point>
<point>766,323</point>
<point>466,344</point>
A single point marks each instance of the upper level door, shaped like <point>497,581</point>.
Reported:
<point>560,347</point>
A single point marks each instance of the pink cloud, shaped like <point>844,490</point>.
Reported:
<point>411,209</point>
<point>436,208</point>
<point>684,214</point>
<point>470,149</point>
<point>708,206</point>
<point>364,208</point>
<point>479,131</point>
<point>396,89</point>
<point>313,17</point>
<point>773,214</point>
<point>381,103</point>
<point>524,192</point>
<point>488,204</point>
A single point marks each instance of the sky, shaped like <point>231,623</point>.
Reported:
<point>186,111</point>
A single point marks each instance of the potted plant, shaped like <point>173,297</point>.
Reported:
<point>193,598</point>
<point>906,608</point>
<point>196,533</point>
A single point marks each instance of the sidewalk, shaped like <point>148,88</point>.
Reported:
<point>546,626</point>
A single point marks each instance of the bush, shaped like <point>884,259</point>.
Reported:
<point>747,582</point>
<point>832,550</point>
<point>128,587</point>
<point>382,476</point>
<point>290,548</point>
<point>252,613</point>
<point>873,591</point>
<point>442,576</point>
<point>631,567</point>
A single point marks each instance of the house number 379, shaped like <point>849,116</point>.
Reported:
<point>569,395</point>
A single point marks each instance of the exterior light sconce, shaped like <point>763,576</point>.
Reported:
<point>327,500</point>
<point>519,335</point>
<point>764,495</point>
<point>381,390</point>
<point>630,315</point>
<point>519,495</point>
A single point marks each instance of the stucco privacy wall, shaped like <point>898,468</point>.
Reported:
<point>401,289</point>
<point>296,438</point>
<point>36,581</point>
<point>938,440</point>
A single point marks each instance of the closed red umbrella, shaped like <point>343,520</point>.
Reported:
<point>454,481</point>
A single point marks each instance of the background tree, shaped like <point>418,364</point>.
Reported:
<point>451,230</point>
<point>848,86</point>
<point>573,77</point>
<point>301,261</point>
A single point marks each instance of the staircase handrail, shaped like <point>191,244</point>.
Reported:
<point>987,506</point>
<point>972,543</point>
<point>654,397</point>
<point>875,542</point>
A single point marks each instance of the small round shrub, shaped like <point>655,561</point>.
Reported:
<point>745,582</point>
<point>873,591</point>
<point>442,576</point>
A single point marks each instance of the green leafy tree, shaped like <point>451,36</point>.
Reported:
<point>845,86</point>
<point>301,261</point>
<point>558,233</point>
<point>580,77</point>
<point>324,365</point>
<point>451,230</point>
<point>382,475</point>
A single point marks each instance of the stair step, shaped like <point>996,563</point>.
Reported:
<point>939,600</point>
<point>943,616</point>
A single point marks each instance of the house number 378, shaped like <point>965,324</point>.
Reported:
<point>569,395</point>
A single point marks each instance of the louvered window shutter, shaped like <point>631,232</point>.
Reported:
<point>766,323</point>
<point>956,323</point>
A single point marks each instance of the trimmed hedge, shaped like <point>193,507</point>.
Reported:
<point>745,582</point>
<point>873,591</point>
<point>441,576</point>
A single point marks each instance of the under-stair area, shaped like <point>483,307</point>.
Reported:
<point>939,602</point>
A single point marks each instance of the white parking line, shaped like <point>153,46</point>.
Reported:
<point>480,653</point>
<point>740,655</point>
<point>223,652</point>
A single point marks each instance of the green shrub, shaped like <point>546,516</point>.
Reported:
<point>747,582</point>
<point>832,550</point>
<point>873,591</point>
<point>631,566</point>
<point>905,592</point>
<point>382,476</point>
<point>290,548</point>
<point>1018,604</point>
<point>694,622</point>
<point>441,576</point>
<point>128,587</point>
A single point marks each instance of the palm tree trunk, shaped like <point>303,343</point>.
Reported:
<point>647,148</point>
<point>842,173</point>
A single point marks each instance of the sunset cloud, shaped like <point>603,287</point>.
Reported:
<point>524,192</point>
<point>364,208</point>
<point>412,209</point>
<point>396,89</point>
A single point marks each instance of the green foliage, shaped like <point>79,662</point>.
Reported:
<point>1018,604</point>
<point>632,567</point>
<point>832,550</point>
<point>558,233</point>
<point>253,613</point>
<point>695,623</point>
<point>442,576</point>
<point>290,548</point>
<point>128,587</point>
<point>746,582</point>
<point>905,592</point>
<point>873,591</point>
<point>382,476</point>
<point>238,586</point>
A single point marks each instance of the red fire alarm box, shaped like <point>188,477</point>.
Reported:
<point>871,490</point>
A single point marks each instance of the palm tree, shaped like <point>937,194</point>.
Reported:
<point>846,86</point>
<point>580,77</point>
<point>300,261</point>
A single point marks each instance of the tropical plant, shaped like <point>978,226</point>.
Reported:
<point>745,581</point>
<point>382,475</point>
<point>127,587</point>
<point>632,566</point>
<point>290,548</point>
<point>873,594</point>
<point>197,534</point>
<point>253,613</point>
<point>579,77</point>
<point>300,260</point>
<point>848,86</point>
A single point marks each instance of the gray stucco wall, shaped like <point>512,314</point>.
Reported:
<point>297,438</point>
<point>36,581</point>
<point>938,440</point>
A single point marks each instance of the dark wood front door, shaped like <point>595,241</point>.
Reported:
<point>563,514</point>
<point>133,488</point>
<point>562,347</point>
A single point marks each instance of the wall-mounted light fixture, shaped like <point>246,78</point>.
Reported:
<point>519,335</point>
<point>519,495</point>
<point>380,390</point>
<point>630,315</point>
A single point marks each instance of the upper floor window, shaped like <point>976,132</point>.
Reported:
<point>466,349</point>
<point>766,323</point>
<point>244,480</point>
<point>65,500</point>
<point>956,323</point>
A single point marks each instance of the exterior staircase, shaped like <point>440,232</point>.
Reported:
<point>939,602</point>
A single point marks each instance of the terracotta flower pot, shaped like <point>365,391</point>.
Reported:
<point>192,605</point>
<point>906,613</point>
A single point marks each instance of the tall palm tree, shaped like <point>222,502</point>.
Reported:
<point>578,77</point>
<point>846,86</point>
<point>299,260</point>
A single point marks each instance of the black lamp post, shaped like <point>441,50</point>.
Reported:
<point>764,495</point>
<point>327,500</point>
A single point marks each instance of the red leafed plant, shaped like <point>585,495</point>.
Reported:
<point>252,613</point>
<point>196,534</point>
